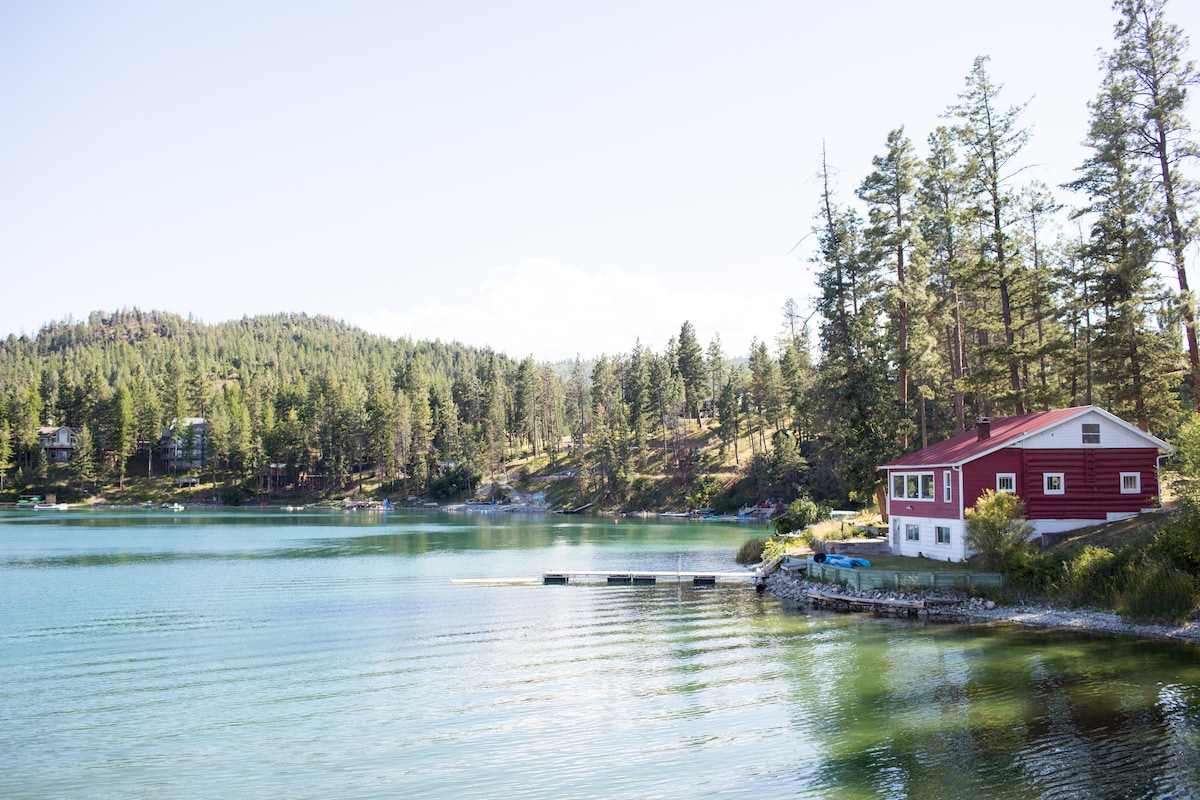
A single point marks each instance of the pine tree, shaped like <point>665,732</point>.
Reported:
<point>993,137</point>
<point>850,386</point>
<point>123,432</point>
<point>637,398</point>
<point>1149,64</point>
<point>6,450</point>
<point>690,365</point>
<point>944,221</point>
<point>83,459</point>
<point>1133,354</point>
<point>889,194</point>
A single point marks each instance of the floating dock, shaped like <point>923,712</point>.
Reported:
<point>620,578</point>
<point>646,578</point>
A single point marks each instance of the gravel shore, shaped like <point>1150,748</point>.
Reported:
<point>958,606</point>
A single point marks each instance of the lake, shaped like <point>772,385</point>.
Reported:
<point>267,654</point>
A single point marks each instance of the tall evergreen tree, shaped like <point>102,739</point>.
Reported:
<point>993,137</point>
<point>122,433</point>
<point>83,458</point>
<point>6,451</point>
<point>889,192</point>
<point>944,221</point>
<point>690,365</point>
<point>1154,72</point>
<point>850,386</point>
<point>1133,354</point>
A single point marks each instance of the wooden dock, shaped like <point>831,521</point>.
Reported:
<point>621,578</point>
<point>646,578</point>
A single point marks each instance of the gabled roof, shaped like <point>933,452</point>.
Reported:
<point>47,430</point>
<point>1006,432</point>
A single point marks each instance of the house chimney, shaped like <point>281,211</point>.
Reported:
<point>984,428</point>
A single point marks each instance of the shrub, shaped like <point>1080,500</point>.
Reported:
<point>1034,572</point>
<point>751,551</point>
<point>1094,574</point>
<point>996,530</point>
<point>454,482</point>
<point>237,494</point>
<point>1157,591</point>
<point>1179,541</point>
<point>800,514</point>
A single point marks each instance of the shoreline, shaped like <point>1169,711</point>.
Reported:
<point>955,606</point>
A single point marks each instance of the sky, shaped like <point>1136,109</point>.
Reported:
<point>549,179</point>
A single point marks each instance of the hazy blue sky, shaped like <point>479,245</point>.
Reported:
<point>547,178</point>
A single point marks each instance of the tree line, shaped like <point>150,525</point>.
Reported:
<point>947,290</point>
<point>947,294</point>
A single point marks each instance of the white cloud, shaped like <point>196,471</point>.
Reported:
<point>554,311</point>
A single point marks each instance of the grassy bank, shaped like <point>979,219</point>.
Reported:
<point>1146,568</point>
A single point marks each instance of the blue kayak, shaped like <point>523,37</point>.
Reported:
<point>840,560</point>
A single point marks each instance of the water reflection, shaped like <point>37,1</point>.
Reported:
<point>164,539</point>
<point>338,660</point>
<point>916,710</point>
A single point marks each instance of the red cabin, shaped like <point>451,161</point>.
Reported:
<point>1071,467</point>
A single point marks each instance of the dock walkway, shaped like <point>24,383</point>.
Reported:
<point>624,577</point>
<point>646,578</point>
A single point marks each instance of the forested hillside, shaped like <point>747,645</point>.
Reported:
<point>949,288</point>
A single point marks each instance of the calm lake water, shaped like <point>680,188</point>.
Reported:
<point>308,655</point>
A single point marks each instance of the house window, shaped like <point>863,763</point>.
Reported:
<point>1131,482</point>
<point>947,488</point>
<point>1052,483</point>
<point>912,486</point>
<point>1091,433</point>
<point>943,534</point>
<point>912,533</point>
<point>1006,482</point>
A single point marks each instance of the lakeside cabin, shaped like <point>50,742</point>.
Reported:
<point>1071,467</point>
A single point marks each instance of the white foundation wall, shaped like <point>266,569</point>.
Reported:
<point>927,545</point>
<point>1041,526</point>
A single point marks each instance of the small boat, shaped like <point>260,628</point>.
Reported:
<point>171,507</point>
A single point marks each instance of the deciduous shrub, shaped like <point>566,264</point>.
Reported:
<point>751,551</point>
<point>1095,574</point>
<point>1157,591</point>
<point>799,515</point>
<point>996,530</point>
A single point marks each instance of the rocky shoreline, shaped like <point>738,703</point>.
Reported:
<point>958,606</point>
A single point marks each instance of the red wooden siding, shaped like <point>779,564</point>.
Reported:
<point>980,474</point>
<point>1091,478</point>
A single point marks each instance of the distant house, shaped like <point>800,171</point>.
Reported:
<point>184,445</point>
<point>1071,467</point>
<point>58,441</point>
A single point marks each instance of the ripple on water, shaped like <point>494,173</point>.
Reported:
<point>354,668</point>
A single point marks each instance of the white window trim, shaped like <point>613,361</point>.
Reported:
<point>947,487</point>
<point>904,476</point>
<point>1062,483</point>
<point>908,528</point>
<point>1011,475</point>
<point>1137,476</point>
<point>1084,433</point>
<point>937,534</point>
